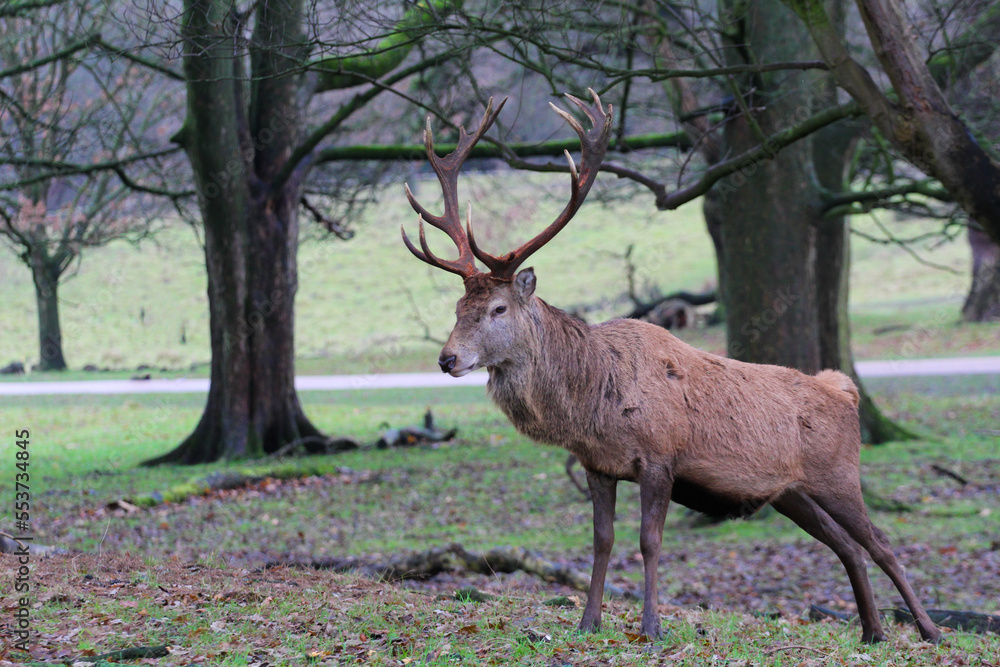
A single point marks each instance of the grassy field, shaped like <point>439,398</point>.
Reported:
<point>360,303</point>
<point>187,574</point>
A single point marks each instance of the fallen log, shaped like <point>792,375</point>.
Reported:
<point>12,545</point>
<point>820,613</point>
<point>967,621</point>
<point>455,558</point>
<point>410,436</point>
<point>642,309</point>
<point>226,480</point>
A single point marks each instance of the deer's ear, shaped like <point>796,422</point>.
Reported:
<point>524,283</point>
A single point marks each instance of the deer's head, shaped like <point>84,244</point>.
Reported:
<point>495,314</point>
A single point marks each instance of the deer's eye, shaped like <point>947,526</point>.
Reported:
<point>500,310</point>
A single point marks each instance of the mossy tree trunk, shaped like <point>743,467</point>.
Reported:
<point>236,129</point>
<point>251,149</point>
<point>785,264</point>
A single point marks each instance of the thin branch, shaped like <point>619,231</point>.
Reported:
<point>496,148</point>
<point>128,182</point>
<point>418,315</point>
<point>61,169</point>
<point>139,60</point>
<point>329,224</point>
<point>65,52</point>
<point>12,9</point>
<point>764,151</point>
<point>834,203</point>
<point>909,250</point>
<point>303,151</point>
<point>417,22</point>
<point>657,75</point>
<point>794,647</point>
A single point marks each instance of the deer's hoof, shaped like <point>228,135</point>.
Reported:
<point>651,629</point>
<point>933,637</point>
<point>873,638</point>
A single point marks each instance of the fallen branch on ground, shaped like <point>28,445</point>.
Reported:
<point>455,558</point>
<point>326,446</point>
<point>642,309</point>
<point>12,545</point>
<point>415,435</point>
<point>819,613</point>
<point>941,470</point>
<point>135,653</point>
<point>967,621</point>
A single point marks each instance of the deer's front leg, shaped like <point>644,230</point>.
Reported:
<point>654,494</point>
<point>603,491</point>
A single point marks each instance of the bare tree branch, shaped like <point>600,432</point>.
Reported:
<point>65,52</point>
<point>59,168</point>
<point>840,203</point>
<point>139,60</point>
<point>14,8</point>
<point>496,149</point>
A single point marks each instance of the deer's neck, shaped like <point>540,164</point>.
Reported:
<point>549,382</point>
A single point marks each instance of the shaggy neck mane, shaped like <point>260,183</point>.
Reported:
<point>559,358</point>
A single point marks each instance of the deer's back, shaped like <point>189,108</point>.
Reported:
<point>641,397</point>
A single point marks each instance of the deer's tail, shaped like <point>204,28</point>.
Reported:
<point>841,382</point>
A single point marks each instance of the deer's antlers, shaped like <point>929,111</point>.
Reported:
<point>594,143</point>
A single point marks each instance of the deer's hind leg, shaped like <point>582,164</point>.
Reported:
<point>813,519</point>
<point>846,506</point>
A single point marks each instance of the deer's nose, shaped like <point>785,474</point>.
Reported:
<point>447,363</point>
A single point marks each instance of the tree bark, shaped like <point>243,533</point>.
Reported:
<point>983,301</point>
<point>917,119</point>
<point>830,147</point>
<point>769,211</point>
<point>236,142</point>
<point>50,351</point>
<point>783,265</point>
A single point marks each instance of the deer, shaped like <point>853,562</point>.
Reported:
<point>633,403</point>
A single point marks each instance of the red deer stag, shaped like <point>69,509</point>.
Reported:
<point>634,403</point>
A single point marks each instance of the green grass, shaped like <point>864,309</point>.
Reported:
<point>488,488</point>
<point>289,617</point>
<point>127,307</point>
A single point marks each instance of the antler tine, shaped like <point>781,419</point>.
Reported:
<point>593,145</point>
<point>447,169</point>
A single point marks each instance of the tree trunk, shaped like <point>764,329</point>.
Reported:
<point>785,266</point>
<point>769,209</point>
<point>236,143</point>
<point>833,268</point>
<point>831,146</point>
<point>252,408</point>
<point>983,302</point>
<point>768,261</point>
<point>46,278</point>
